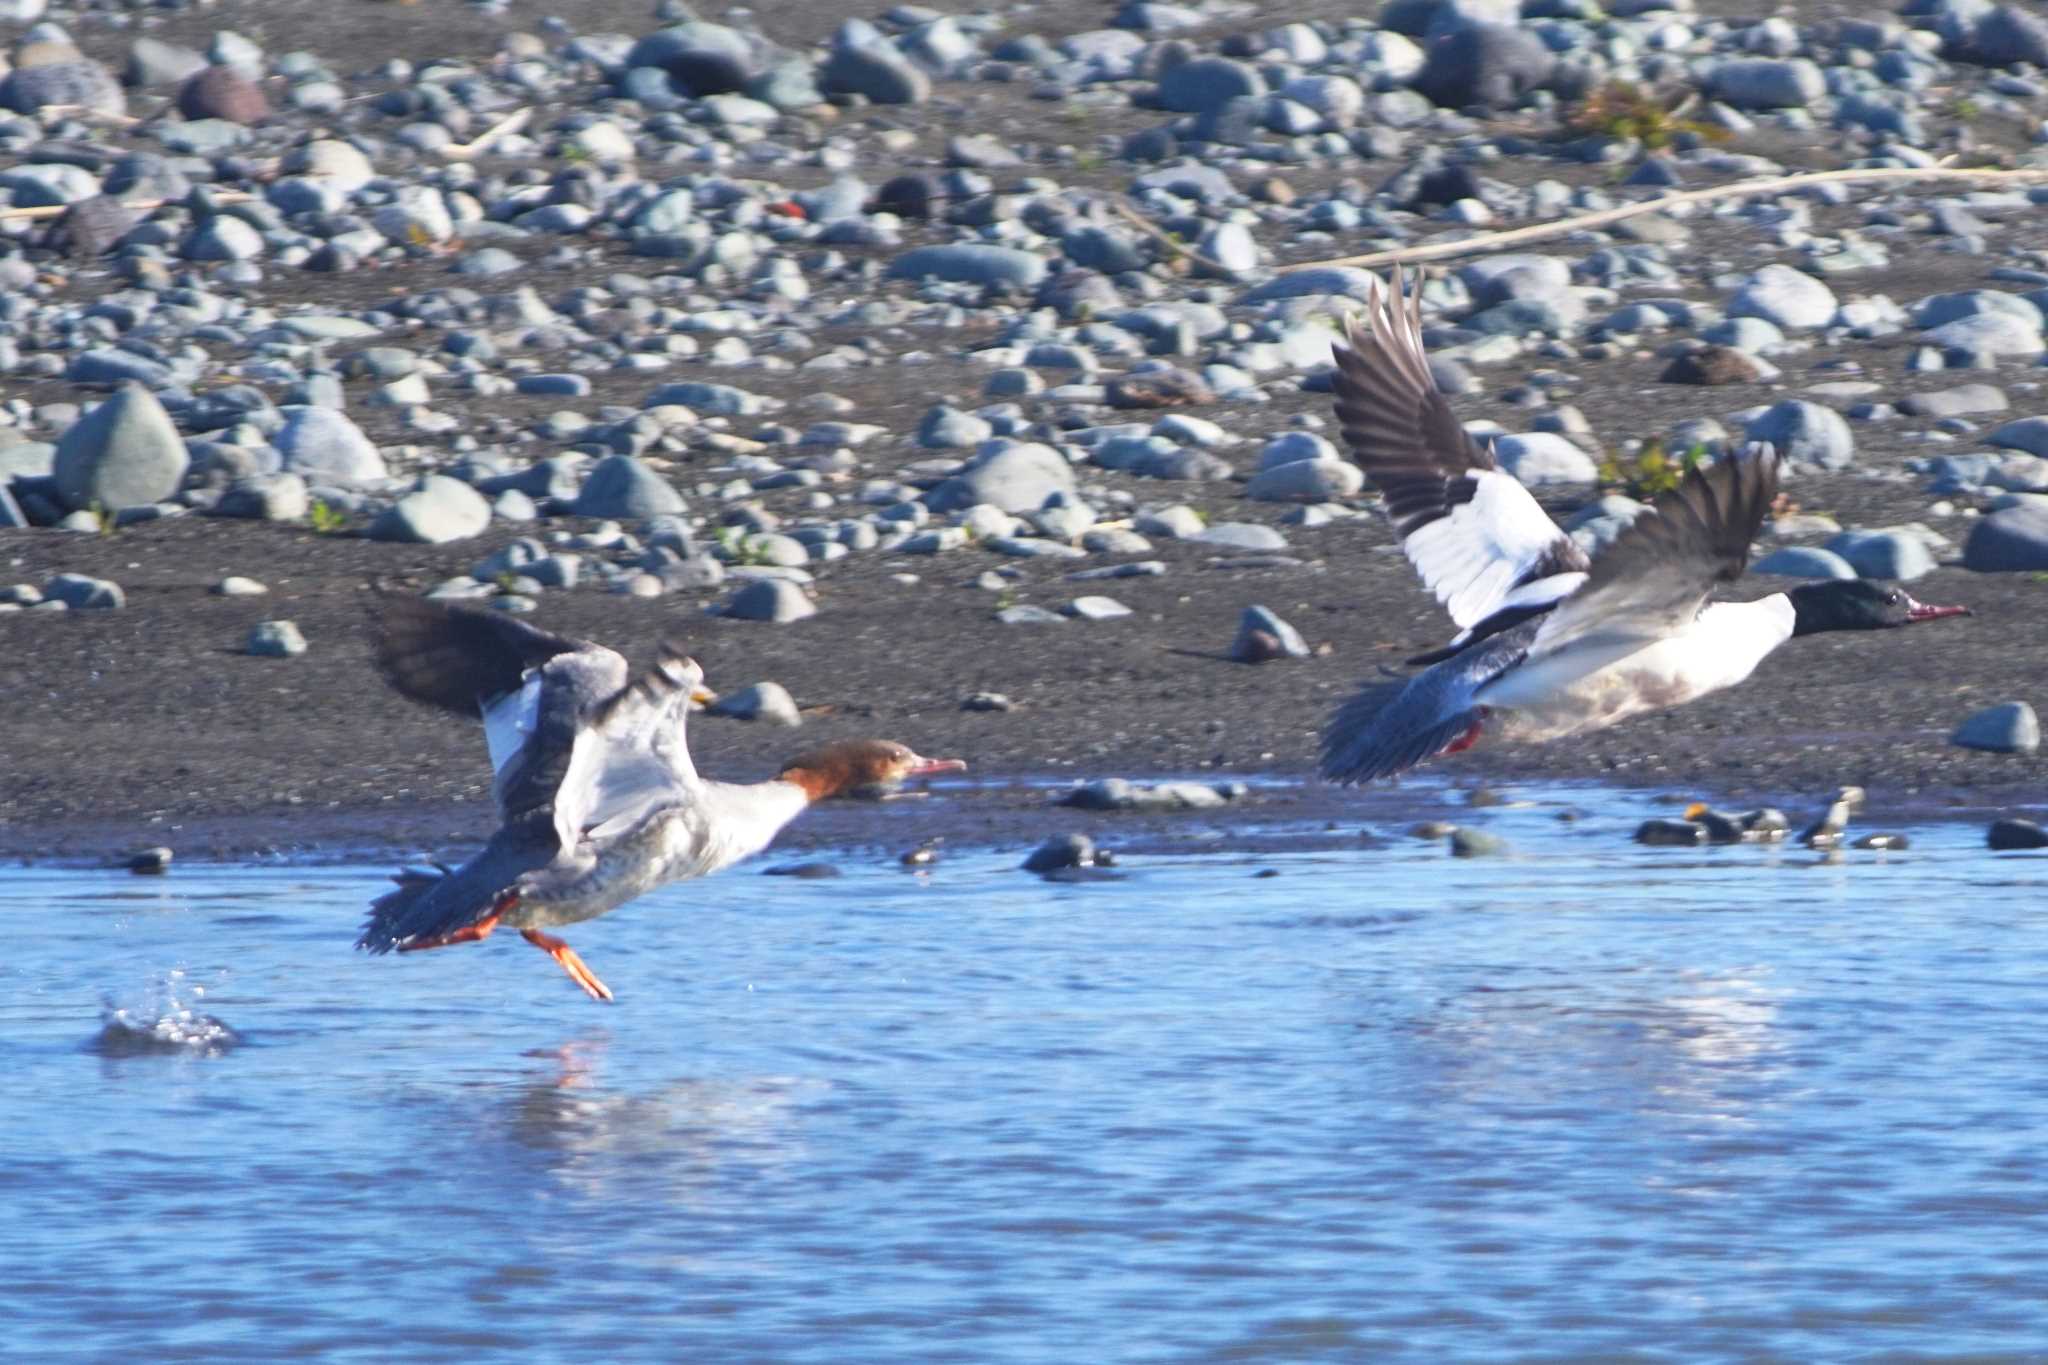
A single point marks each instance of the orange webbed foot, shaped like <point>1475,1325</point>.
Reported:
<point>566,958</point>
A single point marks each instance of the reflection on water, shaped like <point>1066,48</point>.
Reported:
<point>1590,1101</point>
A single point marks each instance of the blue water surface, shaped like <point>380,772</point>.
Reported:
<point>1590,1100</point>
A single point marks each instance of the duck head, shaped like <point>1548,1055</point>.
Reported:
<point>855,765</point>
<point>1859,604</point>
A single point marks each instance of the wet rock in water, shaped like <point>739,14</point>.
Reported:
<point>1262,637</point>
<point>811,871</point>
<point>1116,793</point>
<point>769,599</point>
<point>925,854</point>
<point>2009,728</point>
<point>1477,843</point>
<point>2014,833</point>
<point>1431,829</point>
<point>1060,852</point>
<point>1892,842</point>
<point>81,592</point>
<point>987,701</point>
<point>149,862</point>
<point>124,453</point>
<point>275,640</point>
<point>767,702</point>
<point>1672,833</point>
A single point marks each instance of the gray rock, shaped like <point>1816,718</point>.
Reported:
<point>1962,401</point>
<point>275,640</point>
<point>83,593</point>
<point>1242,535</point>
<point>767,702</point>
<point>993,267</point>
<point>1061,851</point>
<point>2014,540</point>
<point>1803,561</point>
<point>80,82</point>
<point>2010,728</point>
<point>222,238</point>
<point>1805,433</point>
<point>1095,609</point>
<point>874,68</point>
<point>1542,458</point>
<point>1787,298</point>
<point>324,446</point>
<point>1477,843</point>
<point>1028,615</point>
<point>2028,433</point>
<point>1937,309</point>
<point>1765,83</point>
<point>439,511</point>
<point>622,486</point>
<point>2008,35</point>
<point>124,453</point>
<point>1016,477</point>
<point>1985,336</point>
<point>1306,481</point>
<point>1496,66</point>
<point>1206,84</point>
<point>234,585</point>
<point>768,599</point>
<point>265,497</point>
<point>1262,636</point>
<point>2009,834</point>
<point>1885,554</point>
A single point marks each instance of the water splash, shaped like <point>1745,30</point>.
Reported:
<point>167,1024</point>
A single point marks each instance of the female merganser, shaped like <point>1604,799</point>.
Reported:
<point>1552,643</point>
<point>597,795</point>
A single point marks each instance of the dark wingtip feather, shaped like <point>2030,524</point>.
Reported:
<point>452,657</point>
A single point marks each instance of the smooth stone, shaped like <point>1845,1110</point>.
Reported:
<point>1061,851</point>
<point>1477,843</point>
<point>1541,458</point>
<point>82,592</point>
<point>1787,298</point>
<point>1028,615</point>
<point>1494,65</point>
<point>1806,433</point>
<point>275,640</point>
<point>124,453</point>
<point>2011,833</point>
<point>623,487</point>
<point>1896,555</point>
<point>441,510</point>
<point>1096,609</point>
<point>1262,636</point>
<point>2009,728</point>
<point>971,263</point>
<point>767,702</point>
<point>1767,83</point>
<point>1014,477</point>
<point>1241,535</point>
<point>265,497</point>
<point>2014,540</point>
<point>1803,561</point>
<point>236,586</point>
<point>325,446</point>
<point>769,599</point>
<point>1963,401</point>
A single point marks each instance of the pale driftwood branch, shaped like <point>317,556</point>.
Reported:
<point>139,205</point>
<point>1494,241</point>
<point>481,143</point>
<point>1177,247</point>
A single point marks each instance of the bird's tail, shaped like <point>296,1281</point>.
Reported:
<point>1388,728</point>
<point>430,905</point>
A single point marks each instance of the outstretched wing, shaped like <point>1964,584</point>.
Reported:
<point>1652,580</point>
<point>1479,541</point>
<point>459,658</point>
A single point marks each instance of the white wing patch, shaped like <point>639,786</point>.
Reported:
<point>510,718</point>
<point>1472,558</point>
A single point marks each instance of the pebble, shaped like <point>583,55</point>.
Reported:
<point>768,599</point>
<point>2012,540</point>
<point>236,586</point>
<point>275,640</point>
<point>1262,637</point>
<point>1476,843</point>
<point>440,510</point>
<point>81,592</point>
<point>2014,833</point>
<point>124,453</point>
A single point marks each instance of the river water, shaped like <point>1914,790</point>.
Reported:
<point>1375,1103</point>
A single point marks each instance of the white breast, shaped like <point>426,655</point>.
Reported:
<point>1576,690</point>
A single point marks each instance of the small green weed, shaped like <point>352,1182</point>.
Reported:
<point>1624,109</point>
<point>1650,471</point>
<point>325,518</point>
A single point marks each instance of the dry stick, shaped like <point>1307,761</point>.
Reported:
<point>1494,241</point>
<point>1173,244</point>
<point>477,146</point>
<point>139,205</point>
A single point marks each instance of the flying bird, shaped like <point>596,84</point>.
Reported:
<point>1552,642</point>
<point>597,798</point>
